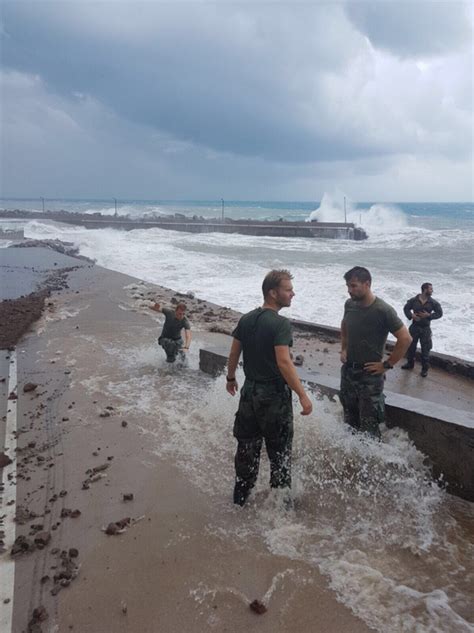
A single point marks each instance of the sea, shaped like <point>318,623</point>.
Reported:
<point>408,244</point>
<point>392,545</point>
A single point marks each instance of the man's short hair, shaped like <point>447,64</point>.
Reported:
<point>180,306</point>
<point>360,273</point>
<point>425,286</point>
<point>273,280</point>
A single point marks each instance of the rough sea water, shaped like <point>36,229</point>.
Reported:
<point>394,547</point>
<point>408,244</point>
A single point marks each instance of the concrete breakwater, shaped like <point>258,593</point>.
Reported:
<point>195,224</point>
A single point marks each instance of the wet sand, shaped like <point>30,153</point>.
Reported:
<point>168,570</point>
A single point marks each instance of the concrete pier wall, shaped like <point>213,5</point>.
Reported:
<point>328,230</point>
<point>451,364</point>
<point>443,434</point>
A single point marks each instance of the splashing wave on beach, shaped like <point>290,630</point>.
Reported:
<point>367,514</point>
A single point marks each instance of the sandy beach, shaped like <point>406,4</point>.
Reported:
<point>126,487</point>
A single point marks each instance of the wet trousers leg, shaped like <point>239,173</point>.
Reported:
<point>362,399</point>
<point>265,414</point>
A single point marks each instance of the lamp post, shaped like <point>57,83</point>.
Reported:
<point>345,214</point>
<point>42,200</point>
<point>222,200</point>
<point>115,201</point>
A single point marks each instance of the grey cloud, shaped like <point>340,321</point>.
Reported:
<point>230,81</point>
<point>146,97</point>
<point>422,28</point>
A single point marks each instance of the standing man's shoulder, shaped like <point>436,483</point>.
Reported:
<point>167,311</point>
<point>394,322</point>
<point>283,331</point>
<point>244,320</point>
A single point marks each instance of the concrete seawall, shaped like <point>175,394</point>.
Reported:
<point>327,230</point>
<point>445,435</point>
<point>451,364</point>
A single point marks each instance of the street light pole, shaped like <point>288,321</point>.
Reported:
<point>42,200</point>
<point>115,201</point>
<point>222,200</point>
<point>345,214</point>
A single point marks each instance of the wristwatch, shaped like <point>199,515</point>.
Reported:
<point>386,365</point>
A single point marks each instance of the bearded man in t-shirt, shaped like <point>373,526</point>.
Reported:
<point>366,323</point>
<point>265,408</point>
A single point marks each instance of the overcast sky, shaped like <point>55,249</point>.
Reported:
<point>271,101</point>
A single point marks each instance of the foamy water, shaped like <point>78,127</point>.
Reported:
<point>228,269</point>
<point>392,545</point>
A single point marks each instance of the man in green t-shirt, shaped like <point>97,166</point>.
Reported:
<point>265,408</point>
<point>366,323</point>
<point>170,339</point>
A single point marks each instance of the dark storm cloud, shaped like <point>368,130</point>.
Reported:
<point>409,29</point>
<point>160,99</point>
<point>231,81</point>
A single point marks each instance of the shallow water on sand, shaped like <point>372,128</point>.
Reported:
<point>394,547</point>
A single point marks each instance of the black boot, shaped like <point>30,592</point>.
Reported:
<point>408,365</point>
<point>241,492</point>
<point>424,372</point>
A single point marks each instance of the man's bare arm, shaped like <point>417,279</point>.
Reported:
<point>403,343</point>
<point>187,339</point>
<point>343,341</point>
<point>156,307</point>
<point>288,371</point>
<point>232,362</point>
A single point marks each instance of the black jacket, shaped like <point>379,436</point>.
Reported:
<point>415,305</point>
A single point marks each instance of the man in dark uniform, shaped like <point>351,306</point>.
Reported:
<point>421,309</point>
<point>265,408</point>
<point>366,323</point>
<point>170,339</point>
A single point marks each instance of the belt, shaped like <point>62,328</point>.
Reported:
<point>355,365</point>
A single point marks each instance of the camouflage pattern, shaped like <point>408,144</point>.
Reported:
<point>362,399</point>
<point>265,413</point>
<point>422,334</point>
<point>171,347</point>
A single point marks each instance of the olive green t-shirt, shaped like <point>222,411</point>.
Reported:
<point>173,326</point>
<point>258,332</point>
<point>367,329</point>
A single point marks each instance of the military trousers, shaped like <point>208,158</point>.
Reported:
<point>265,413</point>
<point>171,347</point>
<point>362,399</point>
<point>422,334</point>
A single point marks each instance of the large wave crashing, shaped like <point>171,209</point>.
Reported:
<point>377,217</point>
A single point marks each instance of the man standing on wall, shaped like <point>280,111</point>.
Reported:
<point>421,309</point>
<point>265,409</point>
<point>366,323</point>
<point>170,339</point>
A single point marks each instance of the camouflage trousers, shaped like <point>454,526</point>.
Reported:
<point>265,413</point>
<point>422,334</point>
<point>171,347</point>
<point>362,399</point>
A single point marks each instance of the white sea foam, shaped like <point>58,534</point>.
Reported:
<point>391,543</point>
<point>228,269</point>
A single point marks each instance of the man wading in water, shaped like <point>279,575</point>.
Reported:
<point>364,329</point>
<point>265,408</point>
<point>170,338</point>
